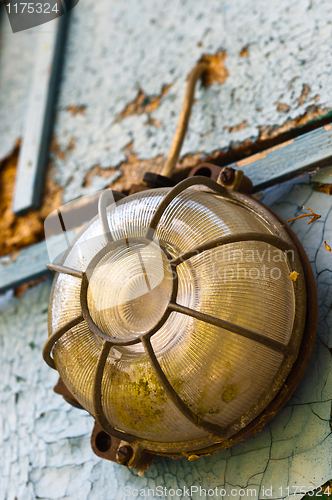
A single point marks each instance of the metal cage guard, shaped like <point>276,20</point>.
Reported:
<point>145,339</point>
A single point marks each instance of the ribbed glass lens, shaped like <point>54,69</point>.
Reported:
<point>129,289</point>
<point>218,374</point>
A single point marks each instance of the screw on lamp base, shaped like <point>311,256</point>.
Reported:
<point>227,177</point>
<point>124,454</point>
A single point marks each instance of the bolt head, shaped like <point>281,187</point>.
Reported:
<point>227,175</point>
<point>124,454</point>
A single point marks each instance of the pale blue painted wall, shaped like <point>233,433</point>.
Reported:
<point>113,47</point>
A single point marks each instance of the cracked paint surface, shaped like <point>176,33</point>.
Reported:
<point>149,47</point>
<point>113,52</point>
<point>278,62</point>
<point>45,444</point>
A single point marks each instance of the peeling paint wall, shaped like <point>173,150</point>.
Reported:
<point>125,70</point>
<point>278,76</point>
<point>278,62</point>
<point>19,232</point>
<point>117,50</point>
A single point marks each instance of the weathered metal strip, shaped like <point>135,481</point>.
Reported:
<point>288,159</point>
<point>20,267</point>
<point>30,263</point>
<point>38,122</point>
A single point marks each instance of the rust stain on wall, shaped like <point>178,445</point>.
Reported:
<point>143,103</point>
<point>19,232</point>
<point>61,154</point>
<point>282,107</point>
<point>244,52</point>
<point>304,94</point>
<point>101,172</point>
<point>323,188</point>
<point>217,71</point>
<point>238,127</point>
<point>312,112</point>
<point>76,110</point>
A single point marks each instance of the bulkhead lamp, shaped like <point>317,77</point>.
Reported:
<point>174,320</point>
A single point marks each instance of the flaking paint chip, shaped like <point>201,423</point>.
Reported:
<point>293,276</point>
<point>327,246</point>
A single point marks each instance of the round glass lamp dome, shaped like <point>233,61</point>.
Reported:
<point>175,320</point>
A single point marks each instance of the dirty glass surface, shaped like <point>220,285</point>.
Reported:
<point>45,444</point>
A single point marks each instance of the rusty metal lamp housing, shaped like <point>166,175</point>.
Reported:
<point>173,317</point>
<point>175,323</point>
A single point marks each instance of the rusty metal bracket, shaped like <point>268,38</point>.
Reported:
<point>118,451</point>
<point>228,177</point>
